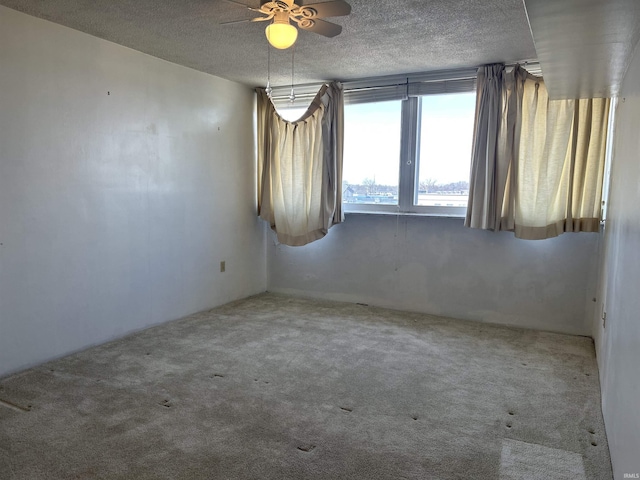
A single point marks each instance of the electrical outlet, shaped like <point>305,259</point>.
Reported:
<point>223,266</point>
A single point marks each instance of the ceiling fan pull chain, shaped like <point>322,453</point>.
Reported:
<point>269,90</point>
<point>292,95</point>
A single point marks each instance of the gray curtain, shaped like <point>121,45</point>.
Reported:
<point>300,167</point>
<point>488,169</point>
<point>537,170</point>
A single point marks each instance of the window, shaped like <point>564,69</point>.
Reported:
<point>371,153</point>
<point>409,155</point>
<point>407,141</point>
<point>292,114</point>
<point>444,156</point>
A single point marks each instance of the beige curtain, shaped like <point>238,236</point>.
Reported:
<point>539,169</point>
<point>561,163</point>
<point>300,167</point>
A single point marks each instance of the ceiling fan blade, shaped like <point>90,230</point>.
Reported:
<point>321,27</point>
<point>240,4</point>
<point>244,20</point>
<point>236,21</point>
<point>336,8</point>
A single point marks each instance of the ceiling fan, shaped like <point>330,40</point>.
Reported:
<point>281,34</point>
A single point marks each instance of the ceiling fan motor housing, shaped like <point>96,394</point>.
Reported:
<point>274,4</point>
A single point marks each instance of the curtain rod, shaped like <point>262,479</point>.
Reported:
<point>351,90</point>
<point>310,89</point>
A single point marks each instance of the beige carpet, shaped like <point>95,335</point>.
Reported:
<point>275,387</point>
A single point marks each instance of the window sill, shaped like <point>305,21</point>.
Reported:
<point>403,214</point>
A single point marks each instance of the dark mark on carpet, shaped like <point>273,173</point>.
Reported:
<point>15,406</point>
<point>306,448</point>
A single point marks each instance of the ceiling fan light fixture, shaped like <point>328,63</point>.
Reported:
<point>281,34</point>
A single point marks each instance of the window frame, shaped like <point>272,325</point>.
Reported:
<point>408,185</point>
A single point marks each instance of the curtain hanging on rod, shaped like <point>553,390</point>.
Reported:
<point>300,167</point>
<point>537,164</point>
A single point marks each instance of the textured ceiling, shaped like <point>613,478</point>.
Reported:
<point>583,45</point>
<point>380,37</point>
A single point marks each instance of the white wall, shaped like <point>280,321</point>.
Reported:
<point>124,181</point>
<point>436,265</point>
<point>618,345</point>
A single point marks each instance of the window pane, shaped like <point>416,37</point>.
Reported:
<point>371,153</point>
<point>292,113</point>
<point>446,136</point>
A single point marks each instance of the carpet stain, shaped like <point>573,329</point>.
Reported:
<point>306,448</point>
<point>15,406</point>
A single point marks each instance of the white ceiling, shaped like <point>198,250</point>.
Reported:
<point>584,46</point>
<point>380,37</point>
